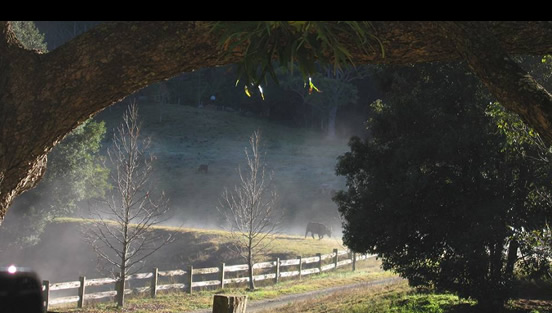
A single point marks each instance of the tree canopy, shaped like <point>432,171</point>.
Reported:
<point>436,190</point>
<point>43,96</point>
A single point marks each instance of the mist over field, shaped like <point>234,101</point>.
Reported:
<point>190,130</point>
<point>301,161</point>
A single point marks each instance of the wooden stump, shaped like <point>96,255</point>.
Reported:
<point>229,304</point>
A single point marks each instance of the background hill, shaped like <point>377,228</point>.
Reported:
<point>183,137</point>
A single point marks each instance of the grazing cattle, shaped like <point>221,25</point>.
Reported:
<point>319,229</point>
<point>203,168</point>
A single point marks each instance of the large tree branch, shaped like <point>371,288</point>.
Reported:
<point>417,42</point>
<point>44,96</point>
<point>511,85</point>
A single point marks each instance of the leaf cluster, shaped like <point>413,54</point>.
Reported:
<point>29,35</point>
<point>301,44</point>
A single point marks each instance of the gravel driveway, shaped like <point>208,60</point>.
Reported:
<point>260,305</point>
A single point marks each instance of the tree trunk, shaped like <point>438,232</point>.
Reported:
<point>250,265</point>
<point>511,258</point>
<point>121,292</point>
<point>45,96</point>
<point>332,114</point>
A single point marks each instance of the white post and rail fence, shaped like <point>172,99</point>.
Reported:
<point>194,278</point>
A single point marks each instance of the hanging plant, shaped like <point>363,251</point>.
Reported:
<point>301,44</point>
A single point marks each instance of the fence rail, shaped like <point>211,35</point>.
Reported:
<point>272,271</point>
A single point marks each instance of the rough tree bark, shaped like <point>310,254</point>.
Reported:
<point>511,85</point>
<point>44,96</point>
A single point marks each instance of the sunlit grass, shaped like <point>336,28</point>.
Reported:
<point>160,227</point>
<point>394,298</point>
<point>283,245</point>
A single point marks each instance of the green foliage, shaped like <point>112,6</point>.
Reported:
<point>292,43</point>
<point>524,143</point>
<point>433,191</point>
<point>520,138</point>
<point>426,303</point>
<point>29,35</point>
<point>74,174</point>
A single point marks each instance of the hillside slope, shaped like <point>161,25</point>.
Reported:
<point>185,137</point>
<point>63,254</point>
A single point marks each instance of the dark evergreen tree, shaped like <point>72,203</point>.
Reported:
<point>433,192</point>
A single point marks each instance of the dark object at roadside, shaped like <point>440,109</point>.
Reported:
<point>20,291</point>
<point>203,168</point>
<point>229,304</point>
<point>319,229</point>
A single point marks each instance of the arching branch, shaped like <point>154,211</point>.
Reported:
<point>44,96</point>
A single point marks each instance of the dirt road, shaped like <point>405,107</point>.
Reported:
<point>262,305</point>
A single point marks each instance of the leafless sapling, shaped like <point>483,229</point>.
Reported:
<point>123,233</point>
<point>250,209</point>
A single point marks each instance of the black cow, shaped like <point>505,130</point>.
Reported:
<point>203,168</point>
<point>319,229</point>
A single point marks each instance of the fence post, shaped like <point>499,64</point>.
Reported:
<point>153,287</point>
<point>45,294</point>
<point>300,266</point>
<point>82,288</point>
<point>277,270</point>
<point>222,276</point>
<point>354,261</point>
<point>191,280</point>
<point>335,258</point>
<point>319,255</point>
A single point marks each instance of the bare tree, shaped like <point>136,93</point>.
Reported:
<point>123,234</point>
<point>250,208</point>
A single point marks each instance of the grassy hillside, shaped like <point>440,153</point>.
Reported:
<point>185,137</point>
<point>64,255</point>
